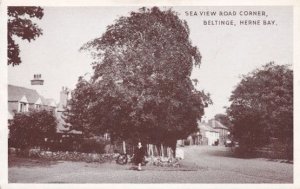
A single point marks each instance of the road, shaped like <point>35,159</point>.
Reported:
<point>202,164</point>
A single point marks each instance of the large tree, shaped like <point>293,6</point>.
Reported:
<point>262,107</point>
<point>29,129</point>
<point>141,87</point>
<point>20,25</point>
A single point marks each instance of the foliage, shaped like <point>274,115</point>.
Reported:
<point>29,129</point>
<point>79,116</point>
<point>224,119</point>
<point>92,146</point>
<point>141,87</point>
<point>20,25</point>
<point>262,106</point>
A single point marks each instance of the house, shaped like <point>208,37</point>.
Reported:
<point>222,129</point>
<point>21,99</point>
<point>208,135</point>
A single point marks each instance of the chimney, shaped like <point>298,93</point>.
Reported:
<point>37,80</point>
<point>64,93</point>
<point>37,83</point>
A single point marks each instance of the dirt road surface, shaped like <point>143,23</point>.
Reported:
<point>202,164</point>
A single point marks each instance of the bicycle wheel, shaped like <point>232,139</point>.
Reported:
<point>122,159</point>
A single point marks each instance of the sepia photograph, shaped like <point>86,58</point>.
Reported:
<point>150,94</point>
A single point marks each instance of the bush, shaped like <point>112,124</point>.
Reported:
<point>92,146</point>
<point>29,129</point>
<point>63,144</point>
<point>186,142</point>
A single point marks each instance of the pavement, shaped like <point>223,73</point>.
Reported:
<point>202,164</point>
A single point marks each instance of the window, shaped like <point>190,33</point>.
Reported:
<point>23,107</point>
<point>37,106</point>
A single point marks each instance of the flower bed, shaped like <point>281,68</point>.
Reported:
<point>163,161</point>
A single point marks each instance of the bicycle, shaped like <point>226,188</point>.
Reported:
<point>124,159</point>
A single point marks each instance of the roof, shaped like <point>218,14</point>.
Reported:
<point>217,125</point>
<point>15,93</point>
<point>49,102</point>
<point>205,127</point>
<point>75,132</point>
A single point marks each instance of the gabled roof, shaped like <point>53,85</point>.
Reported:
<point>24,99</point>
<point>217,125</point>
<point>205,127</point>
<point>39,101</point>
<point>15,93</point>
<point>48,102</point>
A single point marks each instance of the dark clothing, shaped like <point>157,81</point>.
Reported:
<point>139,155</point>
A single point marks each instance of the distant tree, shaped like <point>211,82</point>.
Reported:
<point>262,107</point>
<point>31,128</point>
<point>20,25</point>
<point>141,83</point>
<point>224,119</point>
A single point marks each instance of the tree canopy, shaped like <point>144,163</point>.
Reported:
<point>224,119</point>
<point>29,129</point>
<point>141,87</point>
<point>262,106</point>
<point>20,25</point>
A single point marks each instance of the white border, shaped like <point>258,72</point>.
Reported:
<point>3,85</point>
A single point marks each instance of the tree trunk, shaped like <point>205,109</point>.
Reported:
<point>150,150</point>
<point>124,147</point>
<point>156,151</point>
<point>173,147</point>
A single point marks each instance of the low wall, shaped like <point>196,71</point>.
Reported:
<point>89,157</point>
<point>65,156</point>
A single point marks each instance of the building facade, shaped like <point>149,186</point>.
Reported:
<point>222,130</point>
<point>21,99</point>
<point>211,133</point>
<point>208,135</point>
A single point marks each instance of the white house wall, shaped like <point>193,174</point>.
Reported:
<point>212,137</point>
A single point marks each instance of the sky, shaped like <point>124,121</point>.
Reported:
<point>227,52</point>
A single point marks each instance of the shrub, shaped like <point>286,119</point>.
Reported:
<point>29,129</point>
<point>92,146</point>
